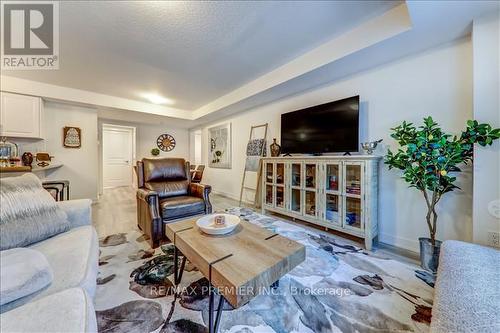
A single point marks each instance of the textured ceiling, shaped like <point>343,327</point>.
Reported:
<point>428,31</point>
<point>191,52</point>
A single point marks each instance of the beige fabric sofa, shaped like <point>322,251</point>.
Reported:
<point>467,290</point>
<point>66,305</point>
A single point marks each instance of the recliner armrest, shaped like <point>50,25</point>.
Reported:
<point>149,219</point>
<point>146,195</point>
<point>151,198</point>
<point>200,190</point>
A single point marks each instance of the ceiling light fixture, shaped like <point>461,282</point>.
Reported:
<point>157,99</point>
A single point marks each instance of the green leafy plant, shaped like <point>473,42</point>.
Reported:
<point>155,151</point>
<point>429,158</point>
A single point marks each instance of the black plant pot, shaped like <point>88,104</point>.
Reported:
<point>429,254</point>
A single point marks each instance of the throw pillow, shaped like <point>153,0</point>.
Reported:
<point>22,273</point>
<point>29,213</point>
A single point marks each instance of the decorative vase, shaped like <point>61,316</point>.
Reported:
<point>27,158</point>
<point>275,149</point>
<point>429,254</point>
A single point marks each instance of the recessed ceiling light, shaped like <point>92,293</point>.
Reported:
<point>157,99</point>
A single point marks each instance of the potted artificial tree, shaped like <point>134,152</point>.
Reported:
<point>428,158</point>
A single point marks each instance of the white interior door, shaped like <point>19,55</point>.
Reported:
<point>117,155</point>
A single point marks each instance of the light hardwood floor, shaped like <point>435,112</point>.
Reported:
<point>115,212</point>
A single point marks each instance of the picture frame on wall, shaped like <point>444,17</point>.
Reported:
<point>219,146</point>
<point>72,137</point>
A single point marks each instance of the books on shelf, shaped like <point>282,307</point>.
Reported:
<point>353,187</point>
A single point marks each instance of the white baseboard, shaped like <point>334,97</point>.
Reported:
<point>401,242</point>
<point>230,196</point>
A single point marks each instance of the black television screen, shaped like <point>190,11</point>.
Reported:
<point>327,128</point>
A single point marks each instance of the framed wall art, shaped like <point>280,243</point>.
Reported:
<point>72,137</point>
<point>219,141</point>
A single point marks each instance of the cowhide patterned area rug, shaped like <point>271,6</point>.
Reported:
<point>338,288</point>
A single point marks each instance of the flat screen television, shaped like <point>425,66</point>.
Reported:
<point>327,128</point>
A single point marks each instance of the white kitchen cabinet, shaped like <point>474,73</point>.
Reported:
<point>21,116</point>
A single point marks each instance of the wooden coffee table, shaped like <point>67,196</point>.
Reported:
<point>239,265</point>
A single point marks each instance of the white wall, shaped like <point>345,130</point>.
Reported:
<point>83,167</point>
<point>146,140</point>
<point>437,82</point>
<point>79,164</point>
<point>146,136</point>
<point>486,45</point>
<point>195,147</point>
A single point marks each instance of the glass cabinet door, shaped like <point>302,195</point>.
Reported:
<point>327,191</point>
<point>353,179</point>
<point>353,204</point>
<point>295,177</point>
<point>296,200</point>
<point>280,196</point>
<point>269,173</point>
<point>353,213</point>
<point>310,203</point>
<point>332,177</point>
<point>310,176</point>
<point>332,208</point>
<point>269,195</point>
<point>280,173</point>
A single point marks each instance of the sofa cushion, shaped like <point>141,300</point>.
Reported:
<point>70,310</point>
<point>74,257</point>
<point>29,213</point>
<point>164,169</point>
<point>466,290</point>
<point>180,206</point>
<point>168,189</point>
<point>22,272</point>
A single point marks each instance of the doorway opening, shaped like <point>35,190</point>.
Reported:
<point>118,155</point>
<point>197,147</point>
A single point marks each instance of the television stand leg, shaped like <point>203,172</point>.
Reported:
<point>347,154</point>
<point>287,154</point>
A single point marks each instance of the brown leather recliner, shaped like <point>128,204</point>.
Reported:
<point>165,193</point>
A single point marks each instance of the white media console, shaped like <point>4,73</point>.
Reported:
<point>336,192</point>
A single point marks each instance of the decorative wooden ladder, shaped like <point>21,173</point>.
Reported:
<point>255,189</point>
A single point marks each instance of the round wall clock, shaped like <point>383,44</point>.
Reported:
<point>165,142</point>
